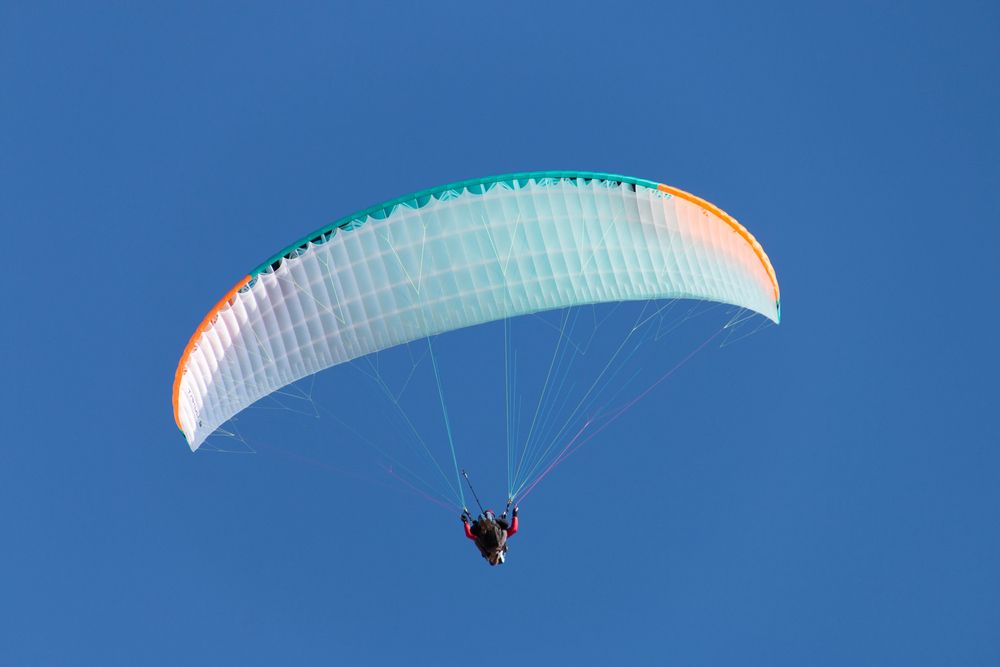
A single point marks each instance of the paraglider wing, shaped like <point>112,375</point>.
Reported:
<point>455,256</point>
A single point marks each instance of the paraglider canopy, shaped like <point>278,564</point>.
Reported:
<point>455,256</point>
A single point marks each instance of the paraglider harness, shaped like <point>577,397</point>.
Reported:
<point>489,532</point>
<point>491,537</point>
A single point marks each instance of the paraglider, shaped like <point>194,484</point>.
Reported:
<point>491,533</point>
<point>460,255</point>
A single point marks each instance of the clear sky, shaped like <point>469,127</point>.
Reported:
<point>824,493</point>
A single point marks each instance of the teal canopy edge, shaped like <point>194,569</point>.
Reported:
<point>423,197</point>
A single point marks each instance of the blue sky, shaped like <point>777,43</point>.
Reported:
<point>824,493</point>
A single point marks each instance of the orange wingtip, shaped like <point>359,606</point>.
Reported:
<point>223,302</point>
<point>737,227</point>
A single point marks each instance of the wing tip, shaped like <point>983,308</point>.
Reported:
<point>182,364</point>
<point>738,228</point>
